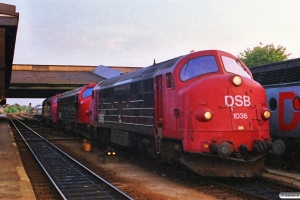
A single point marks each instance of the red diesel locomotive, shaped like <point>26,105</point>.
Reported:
<point>202,109</point>
<point>49,110</point>
<point>46,110</point>
<point>73,109</point>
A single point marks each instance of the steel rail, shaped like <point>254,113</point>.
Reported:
<point>256,188</point>
<point>46,172</point>
<point>120,193</point>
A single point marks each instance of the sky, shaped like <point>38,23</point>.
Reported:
<point>134,32</point>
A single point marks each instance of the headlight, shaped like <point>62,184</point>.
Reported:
<point>266,114</point>
<point>203,114</point>
<point>237,80</point>
<point>207,115</point>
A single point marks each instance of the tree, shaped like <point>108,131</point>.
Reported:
<point>16,108</point>
<point>11,109</point>
<point>260,55</point>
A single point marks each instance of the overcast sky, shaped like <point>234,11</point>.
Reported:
<point>134,32</point>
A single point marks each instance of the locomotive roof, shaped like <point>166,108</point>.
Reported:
<point>70,92</point>
<point>284,72</point>
<point>74,91</point>
<point>141,74</point>
<point>47,100</point>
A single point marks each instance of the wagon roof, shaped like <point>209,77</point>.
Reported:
<point>277,73</point>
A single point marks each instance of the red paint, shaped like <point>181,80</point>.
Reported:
<point>282,125</point>
<point>84,105</point>
<point>296,103</point>
<point>53,109</point>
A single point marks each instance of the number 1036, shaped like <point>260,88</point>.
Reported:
<point>240,116</point>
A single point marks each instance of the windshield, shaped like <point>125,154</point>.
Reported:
<point>234,66</point>
<point>87,92</point>
<point>198,66</point>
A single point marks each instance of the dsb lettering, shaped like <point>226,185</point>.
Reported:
<point>237,100</point>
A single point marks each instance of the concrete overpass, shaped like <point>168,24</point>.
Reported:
<point>9,19</point>
<point>42,81</point>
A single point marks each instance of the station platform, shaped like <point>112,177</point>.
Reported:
<point>14,183</point>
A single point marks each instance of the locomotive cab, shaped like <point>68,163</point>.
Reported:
<point>219,111</point>
<point>73,109</point>
<point>53,109</point>
<point>226,110</point>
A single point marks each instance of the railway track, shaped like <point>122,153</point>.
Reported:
<point>240,188</point>
<point>255,188</point>
<point>223,188</point>
<point>71,179</point>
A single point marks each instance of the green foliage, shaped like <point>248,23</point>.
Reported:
<point>260,55</point>
<point>16,108</point>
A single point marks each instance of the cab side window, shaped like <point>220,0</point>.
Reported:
<point>170,82</point>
